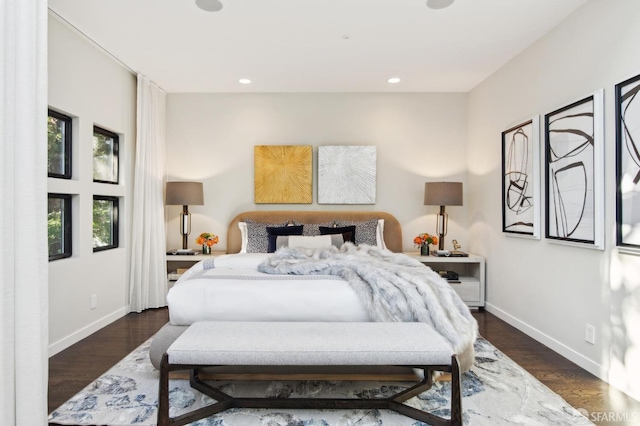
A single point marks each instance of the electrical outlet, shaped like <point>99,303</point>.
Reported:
<point>94,301</point>
<point>590,334</point>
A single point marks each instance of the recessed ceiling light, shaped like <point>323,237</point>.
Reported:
<point>244,81</point>
<point>439,4</point>
<point>394,80</point>
<point>209,5</point>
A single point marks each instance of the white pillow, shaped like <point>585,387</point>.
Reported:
<point>243,237</point>
<point>380,234</point>
<point>318,241</point>
<point>310,242</point>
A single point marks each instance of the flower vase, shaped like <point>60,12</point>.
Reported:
<point>206,249</point>
<point>424,250</point>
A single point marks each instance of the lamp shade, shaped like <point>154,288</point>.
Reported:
<point>443,194</point>
<point>184,193</point>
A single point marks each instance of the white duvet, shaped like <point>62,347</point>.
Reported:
<point>233,290</point>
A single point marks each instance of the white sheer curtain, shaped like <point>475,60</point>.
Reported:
<point>148,275</point>
<point>23,213</point>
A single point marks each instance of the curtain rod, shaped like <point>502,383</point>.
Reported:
<point>92,41</point>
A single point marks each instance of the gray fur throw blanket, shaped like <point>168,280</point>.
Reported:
<point>391,287</point>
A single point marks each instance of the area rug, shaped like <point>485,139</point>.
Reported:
<point>496,391</point>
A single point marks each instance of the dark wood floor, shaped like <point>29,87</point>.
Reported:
<point>76,367</point>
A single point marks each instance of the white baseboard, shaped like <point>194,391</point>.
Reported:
<point>73,338</point>
<point>573,356</point>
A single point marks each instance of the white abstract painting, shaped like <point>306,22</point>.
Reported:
<point>347,175</point>
<point>574,147</point>
<point>628,162</point>
<point>520,180</point>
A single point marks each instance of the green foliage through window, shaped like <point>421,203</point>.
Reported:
<point>59,226</point>
<point>105,156</point>
<point>105,222</point>
<point>58,145</point>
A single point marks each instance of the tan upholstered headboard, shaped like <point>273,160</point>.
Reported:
<point>392,229</point>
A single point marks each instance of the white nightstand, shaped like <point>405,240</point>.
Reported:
<point>471,275</point>
<point>179,261</point>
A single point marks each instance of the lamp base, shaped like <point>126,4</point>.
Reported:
<point>441,226</point>
<point>185,226</point>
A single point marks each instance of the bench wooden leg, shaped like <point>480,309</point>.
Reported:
<point>456,392</point>
<point>393,403</point>
<point>416,390</point>
<point>163,393</point>
<point>456,399</point>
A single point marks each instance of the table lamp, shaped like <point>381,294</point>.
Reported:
<point>185,194</point>
<point>442,194</point>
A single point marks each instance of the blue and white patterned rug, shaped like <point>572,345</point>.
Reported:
<point>496,391</point>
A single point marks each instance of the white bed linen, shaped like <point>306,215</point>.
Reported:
<point>261,297</point>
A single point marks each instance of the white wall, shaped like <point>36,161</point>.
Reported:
<point>419,137</point>
<point>89,86</point>
<point>552,291</point>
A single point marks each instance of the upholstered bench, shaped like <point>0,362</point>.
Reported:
<point>207,344</point>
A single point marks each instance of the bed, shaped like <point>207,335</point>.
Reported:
<point>233,287</point>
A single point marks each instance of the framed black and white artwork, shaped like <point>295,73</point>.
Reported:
<point>628,163</point>
<point>521,179</point>
<point>574,173</point>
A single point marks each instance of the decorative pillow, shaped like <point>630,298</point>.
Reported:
<point>348,232</point>
<point>366,231</point>
<point>311,242</point>
<point>311,229</point>
<point>257,236</point>
<point>273,233</point>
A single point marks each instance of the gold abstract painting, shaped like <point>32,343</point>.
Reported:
<point>283,174</point>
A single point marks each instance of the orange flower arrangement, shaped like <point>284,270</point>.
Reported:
<point>207,239</point>
<point>425,238</point>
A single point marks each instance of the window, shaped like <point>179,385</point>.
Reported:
<point>105,156</point>
<point>105,222</point>
<point>59,145</point>
<point>59,226</point>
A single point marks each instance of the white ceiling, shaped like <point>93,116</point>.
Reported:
<point>314,45</point>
